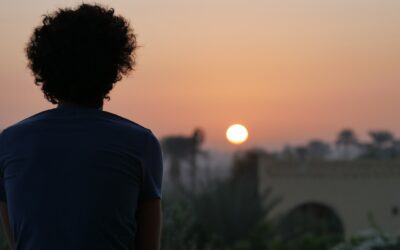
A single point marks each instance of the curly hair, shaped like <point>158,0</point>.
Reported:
<point>77,55</point>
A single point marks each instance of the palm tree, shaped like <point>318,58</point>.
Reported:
<point>346,138</point>
<point>383,143</point>
<point>382,139</point>
<point>197,139</point>
<point>183,148</point>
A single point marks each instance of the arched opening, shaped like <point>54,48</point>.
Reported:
<point>312,221</point>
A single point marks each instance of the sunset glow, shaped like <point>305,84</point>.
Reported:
<point>293,70</point>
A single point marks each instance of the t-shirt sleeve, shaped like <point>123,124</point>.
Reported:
<point>152,170</point>
<point>2,149</point>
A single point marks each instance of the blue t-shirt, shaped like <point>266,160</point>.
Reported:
<point>73,178</point>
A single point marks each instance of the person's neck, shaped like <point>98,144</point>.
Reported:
<point>71,104</point>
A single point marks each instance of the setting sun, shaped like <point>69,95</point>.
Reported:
<point>237,134</point>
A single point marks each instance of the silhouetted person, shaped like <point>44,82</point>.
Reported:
<point>77,177</point>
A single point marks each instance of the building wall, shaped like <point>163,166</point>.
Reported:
<point>352,189</point>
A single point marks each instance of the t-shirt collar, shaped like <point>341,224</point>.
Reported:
<point>64,105</point>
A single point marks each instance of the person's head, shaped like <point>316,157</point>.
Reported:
<point>77,55</point>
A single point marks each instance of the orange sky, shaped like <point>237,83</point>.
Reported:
<point>289,71</point>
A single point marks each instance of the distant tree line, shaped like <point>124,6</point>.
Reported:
<point>382,145</point>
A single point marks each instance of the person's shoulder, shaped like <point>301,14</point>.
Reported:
<point>128,124</point>
<point>27,122</point>
<point>128,128</point>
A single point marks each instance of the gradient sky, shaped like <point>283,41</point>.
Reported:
<point>289,71</point>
